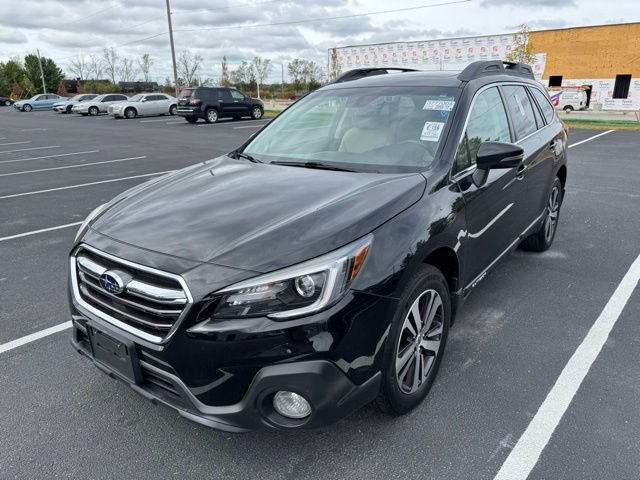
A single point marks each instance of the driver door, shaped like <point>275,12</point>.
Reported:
<point>493,208</point>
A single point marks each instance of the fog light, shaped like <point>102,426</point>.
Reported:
<point>291,405</point>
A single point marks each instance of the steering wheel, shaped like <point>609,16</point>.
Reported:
<point>428,147</point>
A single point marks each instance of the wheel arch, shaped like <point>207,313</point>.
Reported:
<point>562,175</point>
<point>446,260</point>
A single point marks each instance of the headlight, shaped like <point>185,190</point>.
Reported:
<point>299,290</point>
<point>97,211</point>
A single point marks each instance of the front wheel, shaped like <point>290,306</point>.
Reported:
<point>416,342</point>
<point>27,108</point>
<point>130,113</point>
<point>256,113</point>
<point>543,238</point>
<point>93,111</point>
<point>7,103</point>
<point>173,109</point>
<point>568,109</point>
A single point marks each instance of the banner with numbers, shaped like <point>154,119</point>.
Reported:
<point>445,54</point>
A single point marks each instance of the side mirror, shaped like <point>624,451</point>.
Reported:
<point>493,155</point>
<point>498,155</point>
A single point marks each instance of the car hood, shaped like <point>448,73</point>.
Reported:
<point>256,217</point>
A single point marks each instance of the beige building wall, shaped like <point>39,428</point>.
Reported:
<point>602,51</point>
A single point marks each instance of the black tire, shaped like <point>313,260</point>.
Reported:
<point>173,109</point>
<point>7,103</point>
<point>393,399</point>
<point>191,119</point>
<point>69,107</point>
<point>542,239</point>
<point>211,115</point>
<point>257,113</point>
<point>93,111</point>
<point>130,113</point>
<point>27,108</point>
<point>568,109</point>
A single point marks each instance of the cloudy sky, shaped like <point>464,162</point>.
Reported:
<point>62,29</point>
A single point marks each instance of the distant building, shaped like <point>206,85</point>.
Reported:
<point>138,87</point>
<point>605,59</point>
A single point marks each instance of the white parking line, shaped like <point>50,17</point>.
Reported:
<point>590,138</point>
<point>48,156</point>
<point>5,347</point>
<point>27,149</point>
<point>527,451</point>
<point>14,143</point>
<point>249,126</point>
<point>155,120</point>
<point>72,166</point>
<point>83,185</point>
<point>33,129</point>
<point>42,230</point>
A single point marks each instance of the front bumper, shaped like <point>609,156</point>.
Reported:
<point>225,376</point>
<point>331,394</point>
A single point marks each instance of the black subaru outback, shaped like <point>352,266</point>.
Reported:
<point>320,266</point>
<point>213,103</point>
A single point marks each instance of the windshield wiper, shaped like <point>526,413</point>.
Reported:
<point>318,165</point>
<point>237,154</point>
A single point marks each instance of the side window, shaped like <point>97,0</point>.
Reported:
<point>536,111</point>
<point>120,97</point>
<point>521,110</point>
<point>487,122</point>
<point>224,95</point>
<point>237,95</point>
<point>545,105</point>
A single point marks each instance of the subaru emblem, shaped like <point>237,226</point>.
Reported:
<point>112,283</point>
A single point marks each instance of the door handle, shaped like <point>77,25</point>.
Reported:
<point>552,145</point>
<point>521,171</point>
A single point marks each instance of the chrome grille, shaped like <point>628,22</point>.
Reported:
<point>150,304</point>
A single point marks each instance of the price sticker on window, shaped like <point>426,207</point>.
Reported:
<point>431,131</point>
<point>439,105</point>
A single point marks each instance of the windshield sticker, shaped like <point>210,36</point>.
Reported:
<point>431,131</point>
<point>439,105</point>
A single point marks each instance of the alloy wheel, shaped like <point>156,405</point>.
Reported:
<point>257,113</point>
<point>212,116</point>
<point>27,108</point>
<point>553,208</point>
<point>419,341</point>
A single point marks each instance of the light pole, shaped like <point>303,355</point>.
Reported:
<point>173,50</point>
<point>44,88</point>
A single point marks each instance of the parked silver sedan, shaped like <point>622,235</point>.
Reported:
<point>65,107</point>
<point>145,104</point>
<point>98,105</point>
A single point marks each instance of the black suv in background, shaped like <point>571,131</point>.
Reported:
<point>214,103</point>
<point>320,266</point>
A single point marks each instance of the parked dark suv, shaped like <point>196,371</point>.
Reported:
<point>212,104</point>
<point>320,266</point>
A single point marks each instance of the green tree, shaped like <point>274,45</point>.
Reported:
<point>52,73</point>
<point>11,72</point>
<point>521,52</point>
<point>225,81</point>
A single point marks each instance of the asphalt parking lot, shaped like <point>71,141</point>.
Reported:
<point>62,418</point>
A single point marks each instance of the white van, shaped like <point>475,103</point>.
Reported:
<point>571,100</point>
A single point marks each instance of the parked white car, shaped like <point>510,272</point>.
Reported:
<point>99,104</point>
<point>65,107</point>
<point>145,104</point>
<point>572,100</point>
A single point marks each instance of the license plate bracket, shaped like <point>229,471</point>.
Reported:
<point>117,354</point>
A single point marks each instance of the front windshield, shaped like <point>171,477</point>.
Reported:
<point>99,98</point>
<point>136,98</point>
<point>390,129</point>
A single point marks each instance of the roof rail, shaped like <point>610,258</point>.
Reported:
<point>368,72</point>
<point>494,67</point>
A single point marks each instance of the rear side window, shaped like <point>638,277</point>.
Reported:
<point>545,105</point>
<point>521,110</point>
<point>487,123</point>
